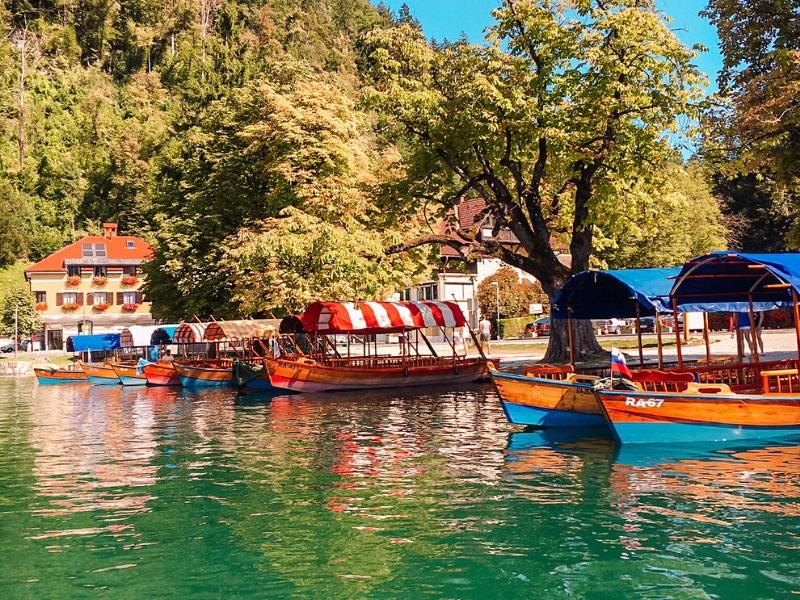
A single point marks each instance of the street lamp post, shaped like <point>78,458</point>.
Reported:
<point>497,305</point>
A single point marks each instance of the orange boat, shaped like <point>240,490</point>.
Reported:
<point>161,373</point>
<point>211,374</point>
<point>325,369</point>
<point>100,374</point>
<point>56,376</point>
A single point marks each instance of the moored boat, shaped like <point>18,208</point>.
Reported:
<point>218,375</point>
<point>100,374</point>
<point>129,374</point>
<point>324,369</point>
<point>57,376</point>
<point>161,373</point>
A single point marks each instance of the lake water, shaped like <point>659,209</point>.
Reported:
<point>156,492</point>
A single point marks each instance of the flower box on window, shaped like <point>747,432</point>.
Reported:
<point>41,306</point>
<point>70,306</point>
<point>73,280</point>
<point>99,280</point>
<point>129,307</point>
<point>130,280</point>
<point>102,307</point>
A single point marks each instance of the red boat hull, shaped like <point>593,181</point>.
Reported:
<point>161,374</point>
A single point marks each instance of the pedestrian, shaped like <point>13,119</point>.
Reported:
<point>485,332</point>
<point>744,325</point>
<point>167,356</point>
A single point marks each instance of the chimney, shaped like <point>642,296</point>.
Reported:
<point>109,230</point>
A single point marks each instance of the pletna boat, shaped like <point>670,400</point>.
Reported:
<point>219,375</point>
<point>323,368</point>
<point>56,376</point>
<point>129,374</point>
<point>161,373</point>
<point>759,400</point>
<point>100,374</point>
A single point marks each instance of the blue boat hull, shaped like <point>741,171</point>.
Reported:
<point>125,380</point>
<point>104,380</point>
<point>668,433</point>
<point>194,382</point>
<point>539,417</point>
<point>54,381</point>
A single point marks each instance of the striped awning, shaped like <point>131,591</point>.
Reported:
<point>380,317</point>
<point>242,330</point>
<point>137,336</point>
<point>190,333</point>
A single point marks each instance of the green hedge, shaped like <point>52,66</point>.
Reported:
<point>515,326</point>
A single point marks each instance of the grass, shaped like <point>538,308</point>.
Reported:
<point>59,360</point>
<point>622,344</point>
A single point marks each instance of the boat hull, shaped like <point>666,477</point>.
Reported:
<point>161,374</point>
<point>307,376</point>
<point>100,374</point>
<point>192,376</point>
<point>129,375</point>
<point>59,376</point>
<point>659,418</point>
<point>547,403</point>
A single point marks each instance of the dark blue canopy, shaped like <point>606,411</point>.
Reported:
<point>725,282</point>
<point>163,335</point>
<point>95,343</point>
<point>615,293</point>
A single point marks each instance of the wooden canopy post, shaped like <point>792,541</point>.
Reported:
<point>753,333</point>
<point>660,342</point>
<point>796,308</point>
<point>705,337</point>
<point>677,332</point>
<point>639,334</point>
<point>569,336</point>
<point>739,341</point>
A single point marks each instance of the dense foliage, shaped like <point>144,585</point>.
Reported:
<point>18,308</point>
<point>515,295</point>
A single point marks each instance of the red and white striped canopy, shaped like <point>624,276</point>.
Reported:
<point>380,317</point>
<point>190,333</point>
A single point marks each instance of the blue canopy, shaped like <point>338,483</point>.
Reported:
<point>726,281</point>
<point>93,343</point>
<point>615,293</point>
<point>163,335</point>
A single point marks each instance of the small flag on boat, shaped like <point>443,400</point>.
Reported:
<point>618,364</point>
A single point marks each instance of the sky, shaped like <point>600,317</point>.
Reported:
<point>450,18</point>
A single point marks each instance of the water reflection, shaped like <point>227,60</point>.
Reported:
<point>389,493</point>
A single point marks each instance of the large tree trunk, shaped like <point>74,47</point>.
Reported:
<point>585,342</point>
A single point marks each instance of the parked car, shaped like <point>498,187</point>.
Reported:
<point>6,348</point>
<point>648,324</point>
<point>612,325</point>
<point>540,326</point>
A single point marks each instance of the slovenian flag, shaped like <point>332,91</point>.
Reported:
<point>618,364</point>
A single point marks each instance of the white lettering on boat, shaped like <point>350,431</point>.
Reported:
<point>643,402</point>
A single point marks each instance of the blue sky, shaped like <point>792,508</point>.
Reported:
<point>449,18</point>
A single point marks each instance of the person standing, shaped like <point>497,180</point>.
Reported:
<point>745,326</point>
<point>485,332</point>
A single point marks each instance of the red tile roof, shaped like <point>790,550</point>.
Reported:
<point>116,249</point>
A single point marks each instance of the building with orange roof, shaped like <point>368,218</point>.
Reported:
<point>91,286</point>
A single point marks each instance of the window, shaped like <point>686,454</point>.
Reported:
<point>130,298</point>
<point>73,271</point>
<point>70,297</point>
<point>101,298</point>
<point>430,292</point>
<point>130,244</point>
<point>130,271</point>
<point>100,272</point>
<point>41,297</point>
<point>90,250</point>
<point>85,327</point>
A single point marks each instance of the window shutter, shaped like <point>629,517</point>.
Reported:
<point>139,297</point>
<point>119,298</point>
<point>59,299</point>
<point>89,299</point>
<point>79,298</point>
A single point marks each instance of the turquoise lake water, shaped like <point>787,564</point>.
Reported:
<point>156,492</point>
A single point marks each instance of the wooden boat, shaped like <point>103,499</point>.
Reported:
<point>129,374</point>
<point>161,373</point>
<point>57,376</point>
<point>212,374</point>
<point>548,396</point>
<point>308,375</point>
<point>704,412</point>
<point>325,369</point>
<point>100,374</point>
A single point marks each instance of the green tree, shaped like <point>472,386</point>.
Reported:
<point>547,122</point>
<point>516,295</point>
<point>18,305</point>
